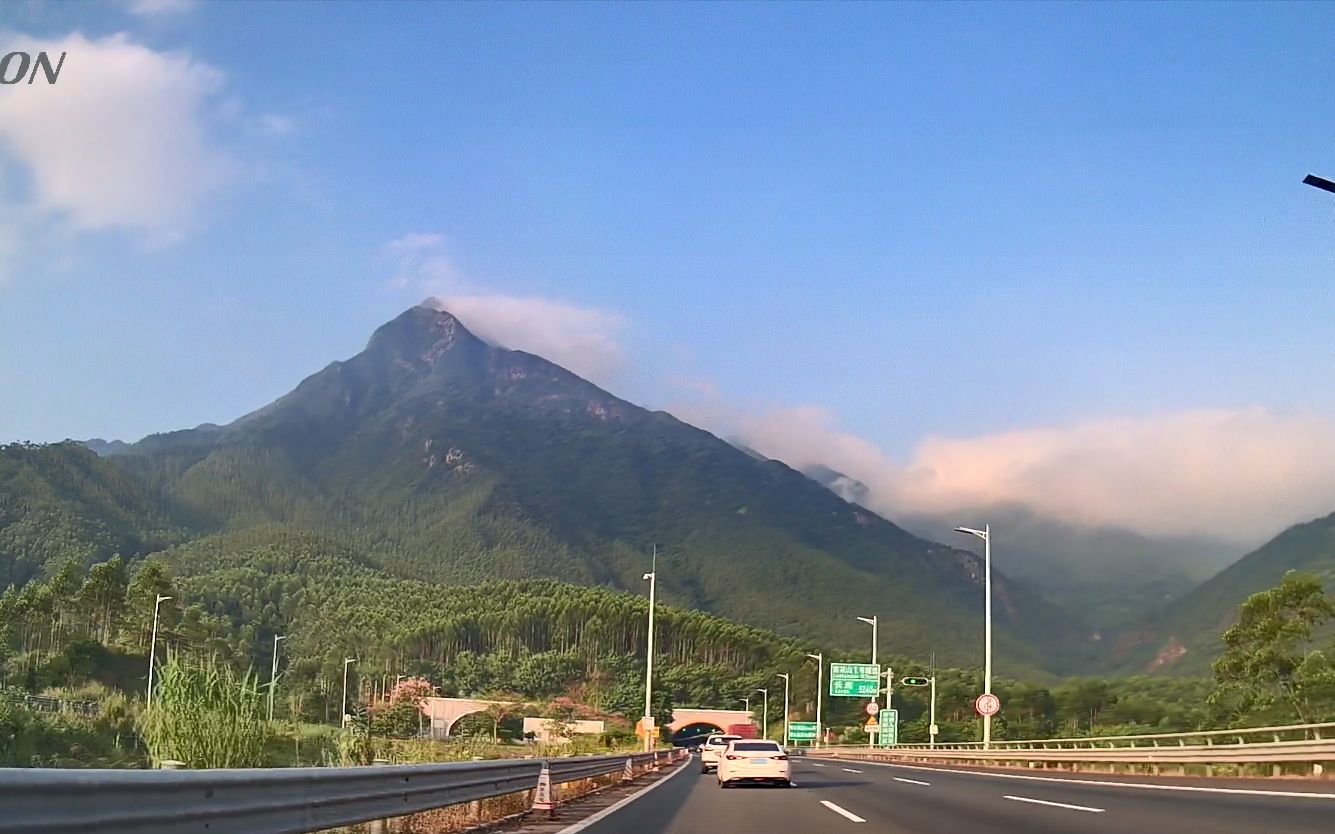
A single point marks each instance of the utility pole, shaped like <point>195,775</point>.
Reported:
<point>787,680</point>
<point>819,657</point>
<point>652,576</point>
<point>273,672</point>
<point>152,648</point>
<point>764,729</point>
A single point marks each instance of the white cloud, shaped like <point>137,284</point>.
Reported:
<point>273,125</point>
<point>150,8</point>
<point>120,140</point>
<point>1237,474</point>
<point>420,264</point>
<point>580,339</point>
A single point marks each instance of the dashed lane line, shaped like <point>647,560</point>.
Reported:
<point>1113,784</point>
<point>848,815</point>
<point>1054,804</point>
<point>911,781</point>
<point>851,770</point>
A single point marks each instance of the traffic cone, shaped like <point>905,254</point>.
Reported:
<point>543,800</point>
<point>628,775</point>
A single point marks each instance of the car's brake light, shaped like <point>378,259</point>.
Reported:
<point>782,758</point>
<point>733,758</point>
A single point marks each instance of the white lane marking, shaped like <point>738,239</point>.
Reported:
<point>617,806</point>
<point>813,764</point>
<point>851,770</point>
<point>841,812</point>
<point>911,781</point>
<point>1111,784</point>
<point>1054,804</point>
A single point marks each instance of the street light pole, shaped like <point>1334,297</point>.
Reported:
<point>931,721</point>
<point>787,680</point>
<point>273,672</point>
<point>986,535</point>
<point>819,657</point>
<point>152,648</point>
<point>652,576</point>
<point>343,716</point>
<point>764,728</point>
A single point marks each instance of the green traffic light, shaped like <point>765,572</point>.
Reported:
<point>914,681</point>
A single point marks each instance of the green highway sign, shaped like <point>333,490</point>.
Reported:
<point>889,730</point>
<point>802,731</point>
<point>855,680</point>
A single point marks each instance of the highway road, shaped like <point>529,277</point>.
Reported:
<point>838,796</point>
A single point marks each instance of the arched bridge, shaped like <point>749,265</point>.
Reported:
<point>444,713</point>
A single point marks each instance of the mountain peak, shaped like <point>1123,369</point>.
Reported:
<point>421,334</point>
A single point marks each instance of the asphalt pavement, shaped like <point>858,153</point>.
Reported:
<point>855,797</point>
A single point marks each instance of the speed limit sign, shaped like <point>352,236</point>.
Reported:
<point>987,704</point>
<point>873,708</point>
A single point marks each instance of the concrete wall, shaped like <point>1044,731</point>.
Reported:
<point>542,729</point>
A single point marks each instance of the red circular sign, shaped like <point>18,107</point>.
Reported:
<point>987,704</point>
<point>873,708</point>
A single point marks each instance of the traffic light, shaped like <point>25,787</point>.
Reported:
<point>914,681</point>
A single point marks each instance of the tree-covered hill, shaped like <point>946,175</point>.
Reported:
<point>1185,637</point>
<point>436,456</point>
<point>61,502</point>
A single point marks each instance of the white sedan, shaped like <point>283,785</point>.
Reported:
<point>754,760</point>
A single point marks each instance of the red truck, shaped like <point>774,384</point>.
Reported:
<point>743,730</point>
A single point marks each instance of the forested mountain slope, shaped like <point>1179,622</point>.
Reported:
<point>437,456</point>
<point>1185,637</point>
<point>61,502</point>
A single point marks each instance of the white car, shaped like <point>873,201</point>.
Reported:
<point>712,749</point>
<point>754,760</point>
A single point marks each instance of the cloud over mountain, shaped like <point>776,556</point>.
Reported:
<point>1240,474</point>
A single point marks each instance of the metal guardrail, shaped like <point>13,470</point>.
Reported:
<point>271,800</point>
<point>1313,732</point>
<point>1259,753</point>
<point>46,703</point>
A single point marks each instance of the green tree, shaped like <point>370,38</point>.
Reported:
<point>1271,665</point>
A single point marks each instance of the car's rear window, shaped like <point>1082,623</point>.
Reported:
<point>756,747</point>
<point>722,740</point>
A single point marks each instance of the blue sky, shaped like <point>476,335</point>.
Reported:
<point>894,237</point>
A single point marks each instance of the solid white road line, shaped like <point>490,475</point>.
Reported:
<point>1054,804</point>
<point>911,781</point>
<point>1111,784</point>
<point>849,815</point>
<point>617,806</point>
<point>851,770</point>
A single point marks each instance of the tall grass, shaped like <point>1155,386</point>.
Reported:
<point>205,714</point>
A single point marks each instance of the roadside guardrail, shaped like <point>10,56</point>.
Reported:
<point>274,800</point>
<point>1259,746</point>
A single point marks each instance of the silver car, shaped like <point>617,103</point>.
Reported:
<point>712,749</point>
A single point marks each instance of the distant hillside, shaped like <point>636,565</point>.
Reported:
<point>1184,637</point>
<point>444,458</point>
<point>1116,577</point>
<point>61,502</point>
